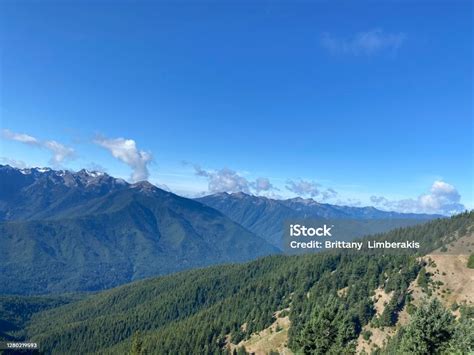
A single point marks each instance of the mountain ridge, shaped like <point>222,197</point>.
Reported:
<point>84,232</point>
<point>204,311</point>
<point>266,217</point>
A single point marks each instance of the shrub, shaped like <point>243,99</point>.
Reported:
<point>366,334</point>
<point>470,262</point>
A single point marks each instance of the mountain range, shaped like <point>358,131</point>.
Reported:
<point>85,231</point>
<point>64,231</point>
<point>325,303</point>
<point>267,217</point>
<point>72,232</point>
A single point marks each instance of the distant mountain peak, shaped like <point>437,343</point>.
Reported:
<point>145,186</point>
<point>143,183</point>
<point>86,230</point>
<point>241,194</point>
<point>91,173</point>
<point>44,170</point>
<point>304,201</point>
<point>27,171</point>
<point>266,217</point>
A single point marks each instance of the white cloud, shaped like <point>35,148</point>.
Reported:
<point>228,180</point>
<point>96,167</point>
<point>59,152</point>
<point>303,187</point>
<point>19,137</point>
<point>363,43</point>
<point>351,202</point>
<point>328,194</point>
<point>224,180</point>
<point>262,184</point>
<point>163,187</point>
<point>127,152</point>
<point>443,198</point>
<point>378,200</point>
<point>20,164</point>
<point>311,189</point>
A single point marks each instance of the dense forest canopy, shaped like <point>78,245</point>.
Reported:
<point>204,311</point>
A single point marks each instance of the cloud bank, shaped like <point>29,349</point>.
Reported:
<point>312,189</point>
<point>303,187</point>
<point>363,43</point>
<point>443,198</point>
<point>20,164</point>
<point>59,152</point>
<point>127,152</point>
<point>262,184</point>
<point>228,180</point>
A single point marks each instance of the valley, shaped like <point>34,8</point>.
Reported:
<point>283,304</point>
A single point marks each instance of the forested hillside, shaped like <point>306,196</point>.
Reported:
<point>329,296</point>
<point>15,311</point>
<point>267,217</point>
<point>87,231</point>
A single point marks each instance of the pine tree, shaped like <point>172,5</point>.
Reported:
<point>137,344</point>
<point>320,332</point>
<point>470,262</point>
<point>429,331</point>
<point>462,341</point>
<point>423,279</point>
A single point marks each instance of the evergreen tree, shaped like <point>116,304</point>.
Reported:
<point>430,330</point>
<point>321,331</point>
<point>137,344</point>
<point>241,351</point>
<point>462,341</point>
<point>470,262</point>
<point>423,279</point>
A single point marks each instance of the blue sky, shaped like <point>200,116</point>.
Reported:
<point>362,103</point>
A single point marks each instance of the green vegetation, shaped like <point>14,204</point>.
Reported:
<point>15,311</point>
<point>423,279</point>
<point>137,344</point>
<point>411,308</point>
<point>431,327</point>
<point>366,334</point>
<point>188,312</point>
<point>200,310</point>
<point>434,234</point>
<point>470,262</point>
<point>267,217</point>
<point>434,330</point>
<point>115,239</point>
